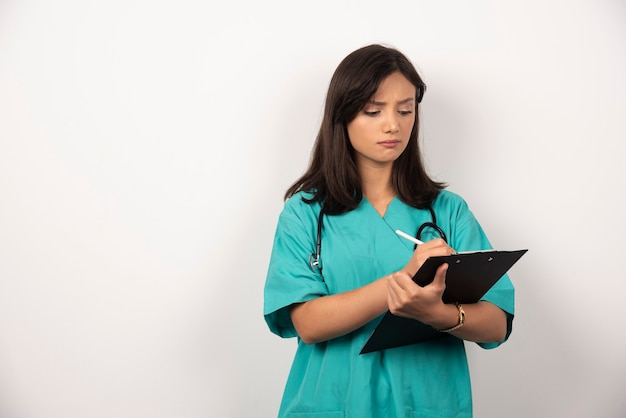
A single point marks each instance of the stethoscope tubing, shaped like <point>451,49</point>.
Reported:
<point>315,260</point>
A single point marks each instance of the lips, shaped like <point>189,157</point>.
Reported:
<point>389,143</point>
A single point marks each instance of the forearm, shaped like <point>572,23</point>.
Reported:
<point>332,316</point>
<point>484,322</point>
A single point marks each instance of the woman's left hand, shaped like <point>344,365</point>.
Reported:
<point>407,299</point>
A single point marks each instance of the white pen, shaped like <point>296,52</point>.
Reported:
<point>409,237</point>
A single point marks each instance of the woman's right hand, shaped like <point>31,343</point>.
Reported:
<point>406,298</point>
<point>436,247</point>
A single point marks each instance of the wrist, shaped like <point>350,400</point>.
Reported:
<point>455,321</point>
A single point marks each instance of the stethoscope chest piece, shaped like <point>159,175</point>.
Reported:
<point>315,262</point>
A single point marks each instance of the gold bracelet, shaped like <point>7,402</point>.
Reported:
<point>461,319</point>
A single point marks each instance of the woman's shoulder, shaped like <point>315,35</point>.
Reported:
<point>301,206</point>
<point>452,204</point>
<point>446,198</point>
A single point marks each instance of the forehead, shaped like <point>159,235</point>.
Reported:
<point>396,86</point>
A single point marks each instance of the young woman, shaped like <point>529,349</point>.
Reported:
<point>337,264</point>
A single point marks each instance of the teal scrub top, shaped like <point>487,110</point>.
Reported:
<point>331,379</point>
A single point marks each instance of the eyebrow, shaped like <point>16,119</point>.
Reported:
<point>407,100</point>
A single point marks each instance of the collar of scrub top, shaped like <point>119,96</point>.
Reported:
<point>315,260</point>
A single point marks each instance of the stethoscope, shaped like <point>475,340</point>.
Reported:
<point>315,261</point>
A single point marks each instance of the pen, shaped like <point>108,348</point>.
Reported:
<point>409,237</point>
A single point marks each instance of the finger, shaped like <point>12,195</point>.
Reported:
<point>394,292</point>
<point>435,247</point>
<point>401,288</point>
<point>439,242</point>
<point>399,281</point>
<point>440,275</point>
<point>434,243</point>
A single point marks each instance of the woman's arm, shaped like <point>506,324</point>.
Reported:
<point>332,316</point>
<point>484,321</point>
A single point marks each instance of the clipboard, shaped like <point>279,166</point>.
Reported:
<point>469,277</point>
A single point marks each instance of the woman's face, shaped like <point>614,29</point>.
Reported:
<point>380,132</point>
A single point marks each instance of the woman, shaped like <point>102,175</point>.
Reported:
<point>367,179</point>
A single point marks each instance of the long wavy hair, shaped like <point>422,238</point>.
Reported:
<point>332,177</point>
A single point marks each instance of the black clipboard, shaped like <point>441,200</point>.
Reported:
<point>469,277</point>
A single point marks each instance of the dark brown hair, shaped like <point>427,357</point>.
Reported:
<point>332,177</point>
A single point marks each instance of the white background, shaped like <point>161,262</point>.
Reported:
<point>145,147</point>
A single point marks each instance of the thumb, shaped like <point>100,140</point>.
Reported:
<point>440,275</point>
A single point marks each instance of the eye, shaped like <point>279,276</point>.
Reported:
<point>405,112</point>
<point>371,112</point>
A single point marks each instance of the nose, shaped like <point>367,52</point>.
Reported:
<point>391,124</point>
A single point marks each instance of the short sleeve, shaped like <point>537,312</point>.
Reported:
<point>290,278</point>
<point>469,236</point>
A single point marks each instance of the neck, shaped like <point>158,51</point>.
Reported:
<point>376,185</point>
